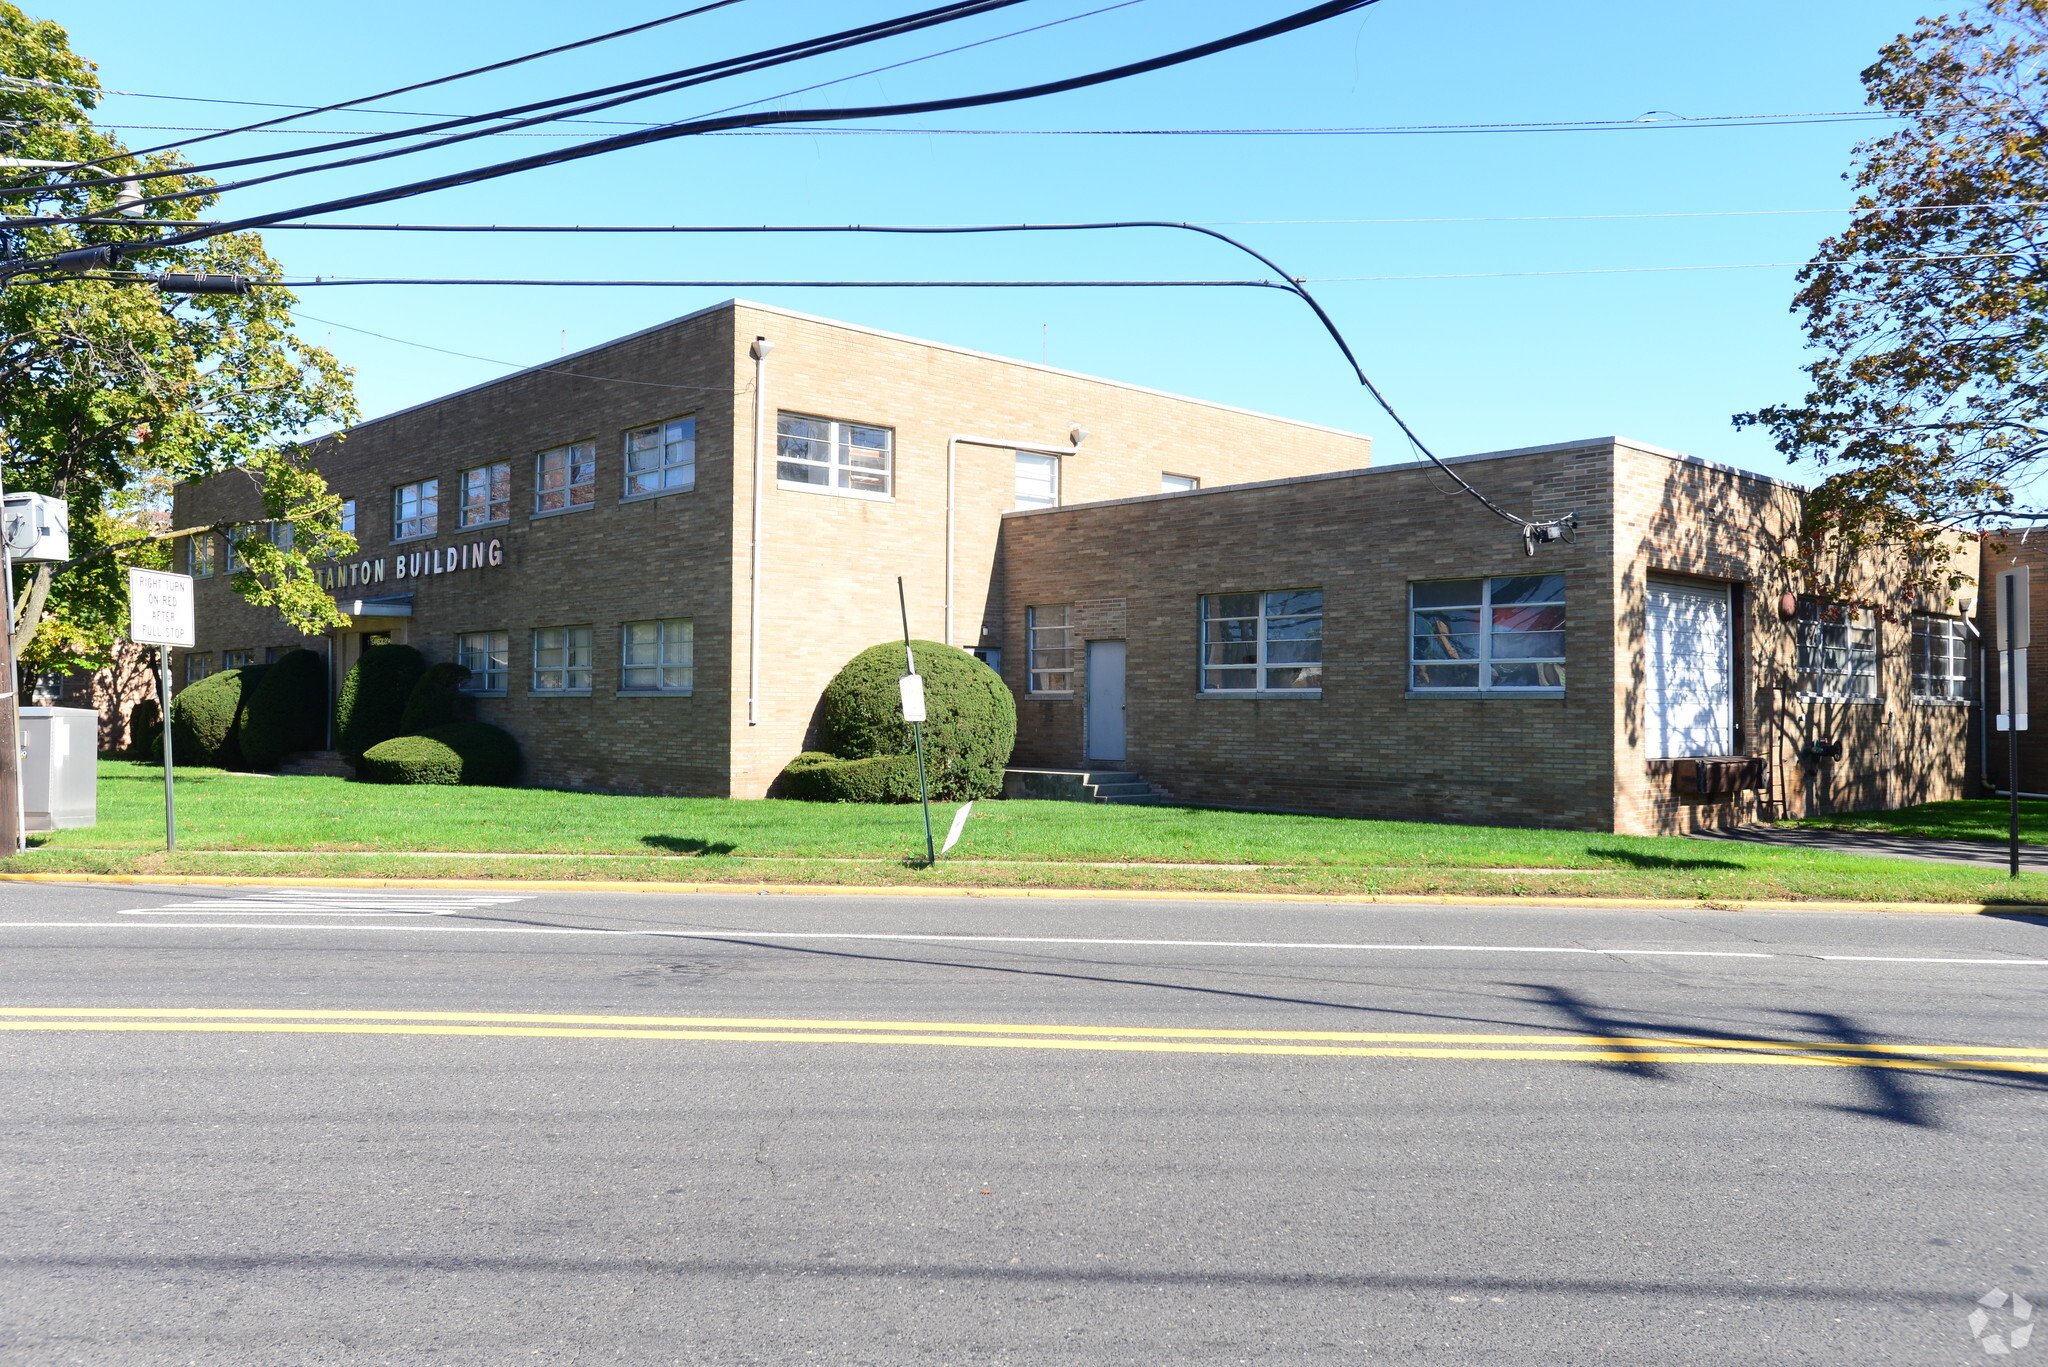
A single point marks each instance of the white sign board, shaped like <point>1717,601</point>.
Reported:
<point>160,609</point>
<point>912,686</point>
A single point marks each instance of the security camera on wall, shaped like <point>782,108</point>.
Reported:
<point>36,527</point>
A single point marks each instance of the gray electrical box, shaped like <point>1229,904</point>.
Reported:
<point>37,527</point>
<point>59,767</point>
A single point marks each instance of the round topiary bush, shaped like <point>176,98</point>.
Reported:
<point>466,752</point>
<point>815,776</point>
<point>287,711</point>
<point>971,726</point>
<point>206,718</point>
<point>437,700</point>
<point>371,708</point>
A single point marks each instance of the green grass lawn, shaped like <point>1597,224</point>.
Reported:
<point>256,824</point>
<point>1973,819</point>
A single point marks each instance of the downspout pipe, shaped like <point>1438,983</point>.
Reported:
<point>953,445</point>
<point>759,351</point>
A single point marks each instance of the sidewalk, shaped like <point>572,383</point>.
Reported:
<point>2033,858</point>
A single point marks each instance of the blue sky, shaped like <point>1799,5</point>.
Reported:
<point>1505,357</point>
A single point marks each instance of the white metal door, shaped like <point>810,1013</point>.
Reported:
<point>1105,700</point>
<point>1689,661</point>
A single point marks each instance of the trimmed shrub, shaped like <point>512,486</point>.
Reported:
<point>287,711</point>
<point>971,726</point>
<point>371,708</point>
<point>145,728</point>
<point>437,700</point>
<point>815,776</point>
<point>206,718</point>
<point>467,752</point>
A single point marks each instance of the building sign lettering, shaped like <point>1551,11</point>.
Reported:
<point>472,555</point>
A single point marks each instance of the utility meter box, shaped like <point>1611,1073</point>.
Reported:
<point>59,767</point>
<point>37,527</point>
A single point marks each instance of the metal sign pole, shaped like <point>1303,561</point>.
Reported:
<point>160,614</point>
<point>163,707</point>
<point>916,720</point>
<point>2015,632</point>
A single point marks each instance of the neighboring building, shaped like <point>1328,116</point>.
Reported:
<point>2005,550</point>
<point>1235,605</point>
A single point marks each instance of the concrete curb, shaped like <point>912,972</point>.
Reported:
<point>1111,894</point>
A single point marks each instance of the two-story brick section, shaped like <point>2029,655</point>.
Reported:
<point>654,555</point>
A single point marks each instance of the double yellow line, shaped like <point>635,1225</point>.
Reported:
<point>1122,1039</point>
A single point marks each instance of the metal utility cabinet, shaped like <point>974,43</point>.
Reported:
<point>59,767</point>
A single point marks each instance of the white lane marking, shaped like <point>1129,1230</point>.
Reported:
<point>998,939</point>
<point>327,902</point>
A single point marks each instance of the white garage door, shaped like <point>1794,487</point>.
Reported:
<point>1690,663</point>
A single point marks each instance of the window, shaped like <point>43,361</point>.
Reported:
<point>565,478</point>
<point>1837,650</point>
<point>283,535</point>
<point>1487,634</point>
<point>1688,669</point>
<point>197,667</point>
<point>416,510</point>
<point>1261,642</point>
<point>1941,658</point>
<point>234,557</point>
<point>561,659</point>
<point>484,654</point>
<point>1178,484</point>
<point>200,552</point>
<point>1038,480</point>
<point>237,659</point>
<point>486,494</point>
<point>348,516</point>
<point>661,457</point>
<point>848,458</point>
<point>654,657</point>
<point>1051,641</point>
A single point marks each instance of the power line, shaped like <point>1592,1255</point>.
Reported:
<point>300,315</point>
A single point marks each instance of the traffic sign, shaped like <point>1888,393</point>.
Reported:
<point>160,609</point>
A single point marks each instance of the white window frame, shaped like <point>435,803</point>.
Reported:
<point>1170,483</point>
<point>201,556</point>
<point>1039,463</point>
<point>198,665</point>
<point>1856,631</point>
<point>487,655</point>
<point>673,663</point>
<point>1944,659</point>
<point>424,519</point>
<point>561,661</point>
<point>578,458</point>
<point>1262,664</point>
<point>673,444</point>
<point>1485,660</point>
<point>838,443</point>
<point>481,504</point>
<point>236,659</point>
<point>1049,639</point>
<point>348,516</point>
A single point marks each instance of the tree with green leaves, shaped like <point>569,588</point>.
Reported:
<point>1928,402</point>
<point>112,391</point>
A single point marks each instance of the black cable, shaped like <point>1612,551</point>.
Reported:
<point>645,88</point>
<point>407,89</point>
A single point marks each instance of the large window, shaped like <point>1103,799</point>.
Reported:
<point>1837,650</point>
<point>845,457</point>
<point>655,657</point>
<point>1051,632</point>
<point>485,654</point>
<point>1941,658</point>
<point>661,457</point>
<point>197,667</point>
<point>561,659</point>
<point>1038,480</point>
<point>1484,635</point>
<point>200,553</point>
<point>486,494</point>
<point>565,478</point>
<point>1262,642</point>
<point>416,510</point>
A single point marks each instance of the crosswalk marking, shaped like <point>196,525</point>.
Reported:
<point>330,902</point>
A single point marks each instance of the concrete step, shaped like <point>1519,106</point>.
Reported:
<point>1124,786</point>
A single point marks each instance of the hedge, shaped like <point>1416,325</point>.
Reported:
<point>466,752</point>
<point>145,728</point>
<point>206,718</point>
<point>437,700</point>
<point>971,724</point>
<point>371,708</point>
<point>815,776</point>
<point>287,711</point>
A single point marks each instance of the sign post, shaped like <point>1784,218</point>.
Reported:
<point>2015,613</point>
<point>160,614</point>
<point>913,712</point>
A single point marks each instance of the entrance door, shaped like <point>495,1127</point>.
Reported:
<point>1106,700</point>
<point>1689,660</point>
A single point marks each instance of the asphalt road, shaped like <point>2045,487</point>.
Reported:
<point>1203,1133</point>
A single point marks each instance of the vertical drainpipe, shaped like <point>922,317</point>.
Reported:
<point>759,351</point>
